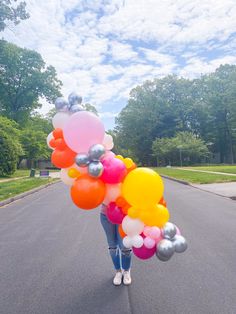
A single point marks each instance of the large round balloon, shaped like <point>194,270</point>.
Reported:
<point>142,187</point>
<point>83,130</point>
<point>87,192</point>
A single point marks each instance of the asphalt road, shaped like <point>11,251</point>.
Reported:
<point>53,259</point>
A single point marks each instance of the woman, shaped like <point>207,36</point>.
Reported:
<point>120,255</point>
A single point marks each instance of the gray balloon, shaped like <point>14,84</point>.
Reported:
<point>165,249</point>
<point>61,104</point>
<point>96,152</point>
<point>180,244</point>
<point>162,258</point>
<point>169,231</point>
<point>74,99</point>
<point>76,108</point>
<point>82,160</point>
<point>95,169</point>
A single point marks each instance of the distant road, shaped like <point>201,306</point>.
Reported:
<point>53,259</point>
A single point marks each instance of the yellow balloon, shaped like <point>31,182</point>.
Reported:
<point>142,188</point>
<point>157,215</point>
<point>73,173</point>
<point>119,157</point>
<point>128,162</point>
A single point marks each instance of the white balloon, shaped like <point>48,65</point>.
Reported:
<point>60,119</point>
<point>137,241</point>
<point>49,138</point>
<point>132,227</point>
<point>65,178</point>
<point>112,192</point>
<point>108,142</point>
<point>127,241</point>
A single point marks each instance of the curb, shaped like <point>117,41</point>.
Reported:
<point>176,180</point>
<point>22,195</point>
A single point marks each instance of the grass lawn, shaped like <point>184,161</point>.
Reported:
<point>195,177</point>
<point>226,169</point>
<point>17,174</point>
<point>14,187</point>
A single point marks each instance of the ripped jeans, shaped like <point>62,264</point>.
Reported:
<point>120,255</point>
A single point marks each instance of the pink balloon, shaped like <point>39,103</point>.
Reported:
<point>114,213</point>
<point>82,130</point>
<point>146,231</point>
<point>108,155</point>
<point>155,233</point>
<point>114,170</point>
<point>143,252</point>
<point>177,231</point>
<point>149,243</point>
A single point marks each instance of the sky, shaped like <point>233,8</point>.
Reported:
<point>103,49</point>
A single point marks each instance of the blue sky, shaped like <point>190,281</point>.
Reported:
<point>103,49</point>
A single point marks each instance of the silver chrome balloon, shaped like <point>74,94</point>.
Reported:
<point>162,258</point>
<point>74,99</point>
<point>95,169</point>
<point>169,231</point>
<point>76,108</point>
<point>82,160</point>
<point>61,104</point>
<point>96,152</point>
<point>180,244</point>
<point>165,249</point>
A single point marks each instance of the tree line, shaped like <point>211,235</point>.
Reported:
<point>171,116</point>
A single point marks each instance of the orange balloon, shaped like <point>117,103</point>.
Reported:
<point>88,192</point>
<point>60,144</point>
<point>163,202</point>
<point>121,232</point>
<point>121,202</point>
<point>63,158</point>
<point>52,143</point>
<point>57,133</point>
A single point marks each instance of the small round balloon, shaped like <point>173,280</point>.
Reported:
<point>180,244</point>
<point>96,152</point>
<point>82,160</point>
<point>95,169</point>
<point>61,104</point>
<point>169,231</point>
<point>165,249</point>
<point>74,99</point>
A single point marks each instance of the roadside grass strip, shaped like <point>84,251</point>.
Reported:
<point>194,176</point>
<point>226,169</point>
<point>11,188</point>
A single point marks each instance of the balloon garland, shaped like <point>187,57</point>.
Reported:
<point>133,195</point>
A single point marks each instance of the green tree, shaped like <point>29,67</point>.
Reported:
<point>184,148</point>
<point>10,150</point>
<point>158,108</point>
<point>12,11</point>
<point>34,145</point>
<point>24,78</point>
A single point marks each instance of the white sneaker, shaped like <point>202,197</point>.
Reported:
<point>127,277</point>
<point>118,278</point>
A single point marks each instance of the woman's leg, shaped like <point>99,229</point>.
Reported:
<point>112,240</point>
<point>125,253</point>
